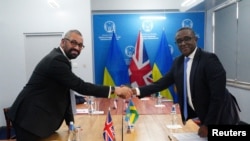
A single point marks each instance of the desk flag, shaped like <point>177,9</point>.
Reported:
<point>131,113</point>
<point>162,65</point>
<point>140,70</point>
<point>116,70</point>
<point>108,131</point>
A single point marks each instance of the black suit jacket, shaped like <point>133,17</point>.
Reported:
<point>44,102</point>
<point>212,102</point>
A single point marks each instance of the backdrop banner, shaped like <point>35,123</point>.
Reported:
<point>126,27</point>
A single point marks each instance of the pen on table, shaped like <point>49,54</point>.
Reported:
<point>169,138</point>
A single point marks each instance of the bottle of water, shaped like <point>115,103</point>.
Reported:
<point>72,133</point>
<point>174,116</point>
<point>159,99</point>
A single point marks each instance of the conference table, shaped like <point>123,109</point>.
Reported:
<point>151,124</point>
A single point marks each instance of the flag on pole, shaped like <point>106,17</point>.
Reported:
<point>116,70</point>
<point>108,131</point>
<point>140,70</point>
<point>162,65</point>
<point>131,113</point>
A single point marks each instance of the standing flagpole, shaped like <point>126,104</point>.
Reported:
<point>128,128</point>
<point>115,70</point>
<point>131,116</point>
<point>140,71</point>
<point>127,118</point>
<point>108,131</point>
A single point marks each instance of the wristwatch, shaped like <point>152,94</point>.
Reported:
<point>134,91</point>
<point>112,89</point>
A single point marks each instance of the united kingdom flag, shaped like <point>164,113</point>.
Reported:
<point>108,131</point>
<point>140,70</point>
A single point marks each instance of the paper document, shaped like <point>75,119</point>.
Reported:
<point>98,112</point>
<point>82,111</point>
<point>176,126</point>
<point>160,105</point>
<point>192,136</point>
<point>145,98</point>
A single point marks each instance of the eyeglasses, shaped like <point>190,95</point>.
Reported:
<point>185,39</point>
<point>74,43</point>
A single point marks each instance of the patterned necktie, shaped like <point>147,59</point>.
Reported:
<point>185,88</point>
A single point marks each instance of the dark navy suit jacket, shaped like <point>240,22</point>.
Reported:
<point>212,102</point>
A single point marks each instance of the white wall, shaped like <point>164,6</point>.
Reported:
<point>27,16</point>
<point>135,4</point>
<point>242,95</point>
<point>32,16</point>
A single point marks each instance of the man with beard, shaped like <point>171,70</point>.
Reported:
<point>44,103</point>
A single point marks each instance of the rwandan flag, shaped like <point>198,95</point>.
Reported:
<point>131,113</point>
<point>162,65</point>
<point>116,70</point>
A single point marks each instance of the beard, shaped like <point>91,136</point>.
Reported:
<point>72,53</point>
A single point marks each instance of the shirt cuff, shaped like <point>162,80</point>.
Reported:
<point>111,92</point>
<point>137,92</point>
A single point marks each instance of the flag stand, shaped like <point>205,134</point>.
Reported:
<point>129,128</point>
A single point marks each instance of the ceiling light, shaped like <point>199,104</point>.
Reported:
<point>53,3</point>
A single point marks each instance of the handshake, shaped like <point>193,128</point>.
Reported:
<point>125,92</point>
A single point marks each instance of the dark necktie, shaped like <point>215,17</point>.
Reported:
<point>72,97</point>
<point>73,101</point>
<point>185,89</point>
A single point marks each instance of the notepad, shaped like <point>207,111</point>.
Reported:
<point>98,112</point>
<point>145,98</point>
<point>160,105</point>
<point>82,111</point>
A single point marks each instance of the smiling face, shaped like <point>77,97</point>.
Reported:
<point>186,40</point>
<point>72,44</point>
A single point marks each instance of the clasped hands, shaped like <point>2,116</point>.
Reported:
<point>124,92</point>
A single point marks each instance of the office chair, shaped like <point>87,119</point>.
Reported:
<point>9,128</point>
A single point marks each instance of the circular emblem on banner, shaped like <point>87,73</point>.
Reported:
<point>129,51</point>
<point>147,25</point>
<point>109,26</point>
<point>187,23</point>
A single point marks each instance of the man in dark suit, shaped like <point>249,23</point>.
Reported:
<point>207,96</point>
<point>44,103</point>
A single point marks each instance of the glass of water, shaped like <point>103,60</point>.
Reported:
<point>91,105</point>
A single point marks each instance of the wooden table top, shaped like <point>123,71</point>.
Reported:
<point>151,124</point>
<point>147,128</point>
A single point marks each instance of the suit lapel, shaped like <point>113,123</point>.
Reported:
<point>194,67</point>
<point>59,50</point>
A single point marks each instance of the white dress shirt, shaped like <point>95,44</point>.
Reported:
<point>189,66</point>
